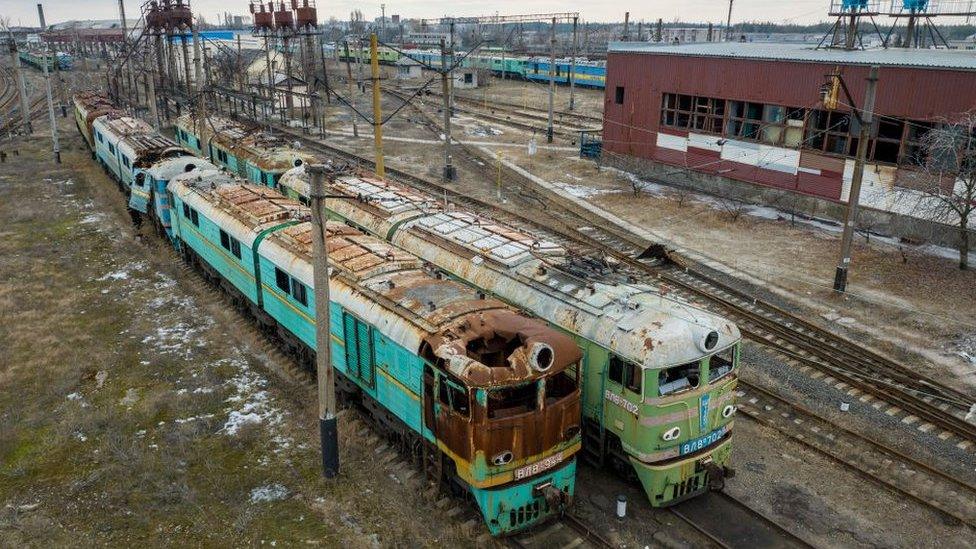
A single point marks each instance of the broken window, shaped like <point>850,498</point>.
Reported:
<point>625,373</point>
<point>887,145</point>
<point>453,396</point>
<point>512,401</point>
<point>914,153</point>
<point>721,363</point>
<point>561,385</point>
<point>282,280</point>
<point>493,351</point>
<point>678,378</point>
<point>299,292</point>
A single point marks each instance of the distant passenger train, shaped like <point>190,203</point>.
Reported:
<point>38,59</point>
<point>587,73</point>
<point>487,395</point>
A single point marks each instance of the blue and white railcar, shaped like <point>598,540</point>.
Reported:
<point>587,73</point>
<point>126,146</point>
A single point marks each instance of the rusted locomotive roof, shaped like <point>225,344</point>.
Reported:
<point>268,152</point>
<point>93,104</point>
<point>639,322</point>
<point>145,143</point>
<point>243,210</point>
<point>450,315</point>
<point>387,287</point>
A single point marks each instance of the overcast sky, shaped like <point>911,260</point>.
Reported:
<point>800,11</point>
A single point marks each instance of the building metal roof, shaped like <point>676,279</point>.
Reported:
<point>925,59</point>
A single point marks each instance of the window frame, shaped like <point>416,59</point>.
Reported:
<point>299,291</point>
<point>282,280</point>
<point>619,95</point>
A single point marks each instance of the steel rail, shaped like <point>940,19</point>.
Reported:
<point>863,444</point>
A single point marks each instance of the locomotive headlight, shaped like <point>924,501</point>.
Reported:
<point>728,411</point>
<point>502,458</point>
<point>672,434</point>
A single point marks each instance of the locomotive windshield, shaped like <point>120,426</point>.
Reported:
<point>678,378</point>
<point>512,401</point>
<point>721,363</point>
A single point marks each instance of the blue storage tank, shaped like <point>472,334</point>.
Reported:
<point>915,5</point>
<point>854,5</point>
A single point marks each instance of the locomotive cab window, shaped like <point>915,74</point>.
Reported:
<point>625,373</point>
<point>561,385</point>
<point>676,379</point>
<point>512,401</point>
<point>721,364</point>
<point>453,396</point>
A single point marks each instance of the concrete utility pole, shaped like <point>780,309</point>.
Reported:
<point>151,88</point>
<point>572,66</point>
<point>445,91</point>
<point>21,86</point>
<point>55,144</point>
<point>374,63</point>
<point>850,219</point>
<point>198,100</point>
<point>728,23</point>
<point>355,127</point>
<point>272,94</point>
<point>125,43</point>
<point>552,79</point>
<point>328,423</point>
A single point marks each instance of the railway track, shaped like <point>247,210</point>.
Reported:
<point>867,373</point>
<point>878,462</point>
<point>567,124</point>
<point>567,532</point>
<point>729,523</point>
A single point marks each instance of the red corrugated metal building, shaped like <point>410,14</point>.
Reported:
<point>753,112</point>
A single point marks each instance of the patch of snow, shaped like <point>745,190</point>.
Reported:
<point>203,390</point>
<point>74,396</point>
<point>580,191</point>
<point>181,421</point>
<point>124,272</point>
<point>81,436</point>
<point>252,405</point>
<point>92,218</point>
<point>270,492</point>
<point>130,398</point>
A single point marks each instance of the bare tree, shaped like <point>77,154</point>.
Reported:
<point>357,23</point>
<point>945,189</point>
<point>733,207</point>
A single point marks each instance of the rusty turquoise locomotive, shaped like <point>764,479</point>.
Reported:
<point>489,397</point>
<point>658,373</point>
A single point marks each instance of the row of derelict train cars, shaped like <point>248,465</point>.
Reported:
<point>497,356</point>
